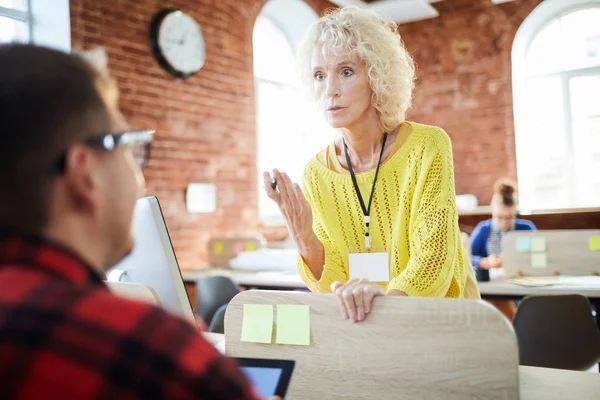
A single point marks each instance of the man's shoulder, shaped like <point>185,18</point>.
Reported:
<point>137,320</point>
<point>117,343</point>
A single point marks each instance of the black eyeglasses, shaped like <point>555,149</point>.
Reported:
<point>138,140</point>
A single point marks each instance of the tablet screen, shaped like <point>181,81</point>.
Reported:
<point>264,380</point>
<point>269,377</point>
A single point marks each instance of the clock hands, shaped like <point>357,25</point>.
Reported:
<point>178,42</point>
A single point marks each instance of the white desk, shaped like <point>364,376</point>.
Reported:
<point>588,286</point>
<point>261,280</point>
<point>535,383</point>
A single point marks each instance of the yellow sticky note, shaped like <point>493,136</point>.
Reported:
<point>250,246</point>
<point>293,324</point>
<point>257,323</point>
<point>218,248</point>
<point>595,243</point>
<point>538,244</point>
<point>539,260</point>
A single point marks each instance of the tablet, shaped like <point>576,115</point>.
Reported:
<point>269,377</point>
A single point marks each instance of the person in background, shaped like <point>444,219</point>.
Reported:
<point>384,186</point>
<point>486,239</point>
<point>70,177</point>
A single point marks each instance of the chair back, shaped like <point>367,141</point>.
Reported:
<point>211,293</point>
<point>557,332</point>
<point>217,324</point>
<point>419,348</point>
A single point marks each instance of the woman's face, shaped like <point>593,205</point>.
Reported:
<point>341,85</point>
<point>504,216</point>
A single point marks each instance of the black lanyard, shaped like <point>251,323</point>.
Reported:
<point>366,210</point>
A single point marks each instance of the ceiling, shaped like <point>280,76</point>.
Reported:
<point>401,11</point>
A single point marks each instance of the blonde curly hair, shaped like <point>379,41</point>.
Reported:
<point>391,70</point>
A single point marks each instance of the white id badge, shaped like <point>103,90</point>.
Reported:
<point>372,264</point>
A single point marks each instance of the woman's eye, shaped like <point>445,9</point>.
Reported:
<point>319,76</point>
<point>347,72</point>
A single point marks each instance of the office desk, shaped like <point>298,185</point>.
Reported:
<point>269,280</point>
<point>588,286</point>
<point>535,383</point>
<point>557,384</point>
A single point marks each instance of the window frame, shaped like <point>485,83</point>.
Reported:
<point>18,15</point>
<point>527,32</point>
<point>49,23</point>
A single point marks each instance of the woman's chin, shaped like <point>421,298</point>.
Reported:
<point>336,123</point>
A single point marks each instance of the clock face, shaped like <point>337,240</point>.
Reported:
<point>178,39</point>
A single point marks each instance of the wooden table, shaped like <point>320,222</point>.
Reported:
<point>534,383</point>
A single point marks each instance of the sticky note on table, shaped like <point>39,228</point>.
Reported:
<point>257,323</point>
<point>539,260</point>
<point>595,243</point>
<point>293,324</point>
<point>523,243</point>
<point>218,248</point>
<point>538,244</point>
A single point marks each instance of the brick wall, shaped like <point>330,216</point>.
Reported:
<point>464,66</point>
<point>205,125</point>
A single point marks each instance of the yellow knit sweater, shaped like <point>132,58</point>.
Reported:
<point>413,216</point>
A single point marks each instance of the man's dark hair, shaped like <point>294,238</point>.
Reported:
<point>48,101</point>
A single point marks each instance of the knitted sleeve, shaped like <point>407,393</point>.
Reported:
<point>435,252</point>
<point>334,269</point>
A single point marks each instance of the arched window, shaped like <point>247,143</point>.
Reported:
<point>14,21</point>
<point>556,91</point>
<point>289,130</point>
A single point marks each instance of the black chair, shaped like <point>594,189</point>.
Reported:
<point>213,292</point>
<point>557,332</point>
<point>217,325</point>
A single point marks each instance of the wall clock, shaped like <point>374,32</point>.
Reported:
<point>177,43</point>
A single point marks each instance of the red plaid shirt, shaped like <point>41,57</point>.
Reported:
<point>64,335</point>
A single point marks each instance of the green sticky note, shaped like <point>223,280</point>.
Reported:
<point>523,244</point>
<point>538,244</point>
<point>257,323</point>
<point>293,324</point>
<point>539,260</point>
<point>595,243</point>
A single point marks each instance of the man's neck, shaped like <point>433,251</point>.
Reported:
<point>85,246</point>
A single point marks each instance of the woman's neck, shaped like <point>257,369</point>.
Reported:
<point>364,146</point>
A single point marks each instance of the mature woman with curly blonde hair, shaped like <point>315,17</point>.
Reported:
<point>377,215</point>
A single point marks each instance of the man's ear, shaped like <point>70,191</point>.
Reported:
<point>80,179</point>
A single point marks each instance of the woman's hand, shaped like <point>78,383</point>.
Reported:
<point>299,219</point>
<point>355,297</point>
<point>490,262</point>
<point>293,205</point>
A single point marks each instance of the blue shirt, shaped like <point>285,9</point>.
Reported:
<point>481,234</point>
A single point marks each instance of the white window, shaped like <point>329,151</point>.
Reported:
<point>556,87</point>
<point>14,21</point>
<point>43,22</point>
<point>289,129</point>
